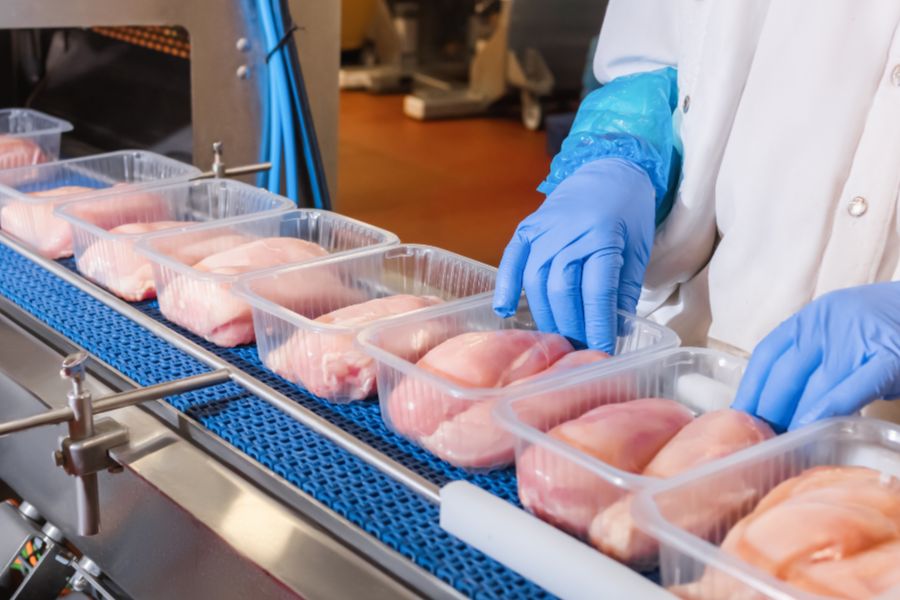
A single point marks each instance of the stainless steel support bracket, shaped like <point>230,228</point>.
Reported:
<point>85,452</point>
<point>91,455</point>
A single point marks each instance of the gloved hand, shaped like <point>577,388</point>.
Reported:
<point>833,357</point>
<point>583,253</point>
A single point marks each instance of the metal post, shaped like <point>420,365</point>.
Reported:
<point>218,165</point>
<point>81,427</point>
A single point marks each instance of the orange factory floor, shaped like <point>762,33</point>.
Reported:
<point>458,184</point>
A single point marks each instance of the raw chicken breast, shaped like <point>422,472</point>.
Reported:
<point>209,309</point>
<point>115,265</point>
<point>36,225</point>
<point>19,152</point>
<point>52,236</point>
<point>328,364</point>
<point>710,436</point>
<point>473,439</point>
<point>260,254</point>
<point>825,514</point>
<point>829,530</point>
<point>626,436</point>
<point>204,243</point>
<point>479,359</point>
<point>859,577</point>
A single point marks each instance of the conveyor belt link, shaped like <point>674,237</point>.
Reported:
<point>365,496</point>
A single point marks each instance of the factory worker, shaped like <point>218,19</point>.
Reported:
<point>755,148</point>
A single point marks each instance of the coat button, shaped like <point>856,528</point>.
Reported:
<point>857,207</point>
<point>686,104</point>
<point>895,76</point>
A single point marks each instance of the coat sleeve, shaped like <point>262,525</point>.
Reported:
<point>630,117</point>
<point>637,36</point>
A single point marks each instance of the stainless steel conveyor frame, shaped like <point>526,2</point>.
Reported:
<point>319,553</point>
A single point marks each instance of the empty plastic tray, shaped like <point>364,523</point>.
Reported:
<point>28,195</point>
<point>435,411</point>
<point>202,302</point>
<point>29,137</point>
<point>722,493</point>
<point>322,356</point>
<point>106,254</point>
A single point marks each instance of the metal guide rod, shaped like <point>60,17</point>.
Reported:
<point>219,168</point>
<point>235,171</point>
<point>116,401</point>
<point>412,480</point>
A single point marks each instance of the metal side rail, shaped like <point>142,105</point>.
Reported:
<point>252,385</point>
<point>363,495</point>
<point>173,503</point>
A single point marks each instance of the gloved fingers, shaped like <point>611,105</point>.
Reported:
<point>785,383</point>
<point>869,382</point>
<point>820,383</point>
<point>508,288</point>
<point>535,275</point>
<point>631,279</point>
<point>564,286</point>
<point>599,287</point>
<point>766,353</point>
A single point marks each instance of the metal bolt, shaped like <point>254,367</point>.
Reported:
<point>73,366</point>
<point>895,76</point>
<point>686,104</point>
<point>29,511</point>
<point>243,72</point>
<point>59,458</point>
<point>90,566</point>
<point>79,584</point>
<point>243,45</point>
<point>53,532</point>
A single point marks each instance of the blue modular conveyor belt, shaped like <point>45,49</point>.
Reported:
<point>365,496</point>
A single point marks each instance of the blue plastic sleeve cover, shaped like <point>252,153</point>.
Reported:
<point>631,118</point>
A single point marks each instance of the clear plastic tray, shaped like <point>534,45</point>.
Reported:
<point>690,555</point>
<point>202,302</point>
<point>29,137</point>
<point>322,357</point>
<point>440,397</point>
<point>109,258</point>
<point>701,379</point>
<point>30,218</point>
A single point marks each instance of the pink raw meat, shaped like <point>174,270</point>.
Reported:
<point>210,310</point>
<point>114,264</point>
<point>829,530</point>
<point>858,577</point>
<point>139,283</point>
<point>189,250</point>
<point>36,225</point>
<point>329,365</point>
<point>473,439</point>
<point>830,513</point>
<point>626,436</point>
<point>52,237</point>
<point>479,359</point>
<point>19,152</point>
<point>710,436</point>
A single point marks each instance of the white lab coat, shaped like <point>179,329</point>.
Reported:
<point>788,111</point>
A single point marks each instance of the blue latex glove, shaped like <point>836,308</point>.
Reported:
<point>833,357</point>
<point>583,253</point>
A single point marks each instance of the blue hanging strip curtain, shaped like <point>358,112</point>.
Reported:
<point>289,138</point>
